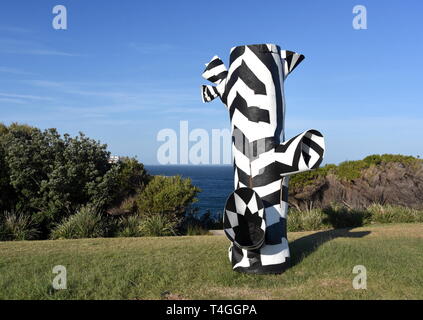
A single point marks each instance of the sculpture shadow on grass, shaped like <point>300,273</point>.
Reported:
<point>304,246</point>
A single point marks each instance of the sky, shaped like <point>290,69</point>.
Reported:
<point>124,70</point>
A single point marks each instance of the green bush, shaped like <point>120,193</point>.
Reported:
<point>199,222</point>
<point>306,220</point>
<point>338,216</point>
<point>127,207</point>
<point>167,195</point>
<point>159,225</point>
<point>132,177</point>
<point>49,176</point>
<point>7,194</point>
<point>129,226</point>
<point>88,222</point>
<point>350,170</point>
<point>53,175</point>
<point>305,178</point>
<point>17,226</point>
<point>394,214</point>
<point>342,217</point>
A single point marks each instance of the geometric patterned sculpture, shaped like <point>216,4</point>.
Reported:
<point>252,89</point>
<point>243,220</point>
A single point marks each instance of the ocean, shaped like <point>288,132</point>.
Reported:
<point>215,182</point>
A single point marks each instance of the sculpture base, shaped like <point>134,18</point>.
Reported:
<point>270,269</point>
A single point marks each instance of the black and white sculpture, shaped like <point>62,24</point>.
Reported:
<point>255,213</point>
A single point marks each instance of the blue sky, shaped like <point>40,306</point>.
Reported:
<point>123,70</point>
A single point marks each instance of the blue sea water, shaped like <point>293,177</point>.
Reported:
<point>215,182</point>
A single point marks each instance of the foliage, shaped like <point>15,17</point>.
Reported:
<point>132,176</point>
<point>350,170</point>
<point>342,217</point>
<point>303,179</point>
<point>306,220</point>
<point>196,230</point>
<point>88,222</point>
<point>129,226</point>
<point>7,194</point>
<point>49,176</point>
<point>386,158</point>
<point>159,225</point>
<point>167,195</point>
<point>394,214</point>
<point>196,223</point>
<point>54,175</point>
<point>127,206</point>
<point>17,226</point>
<point>338,216</point>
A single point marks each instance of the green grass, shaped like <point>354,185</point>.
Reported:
<point>196,267</point>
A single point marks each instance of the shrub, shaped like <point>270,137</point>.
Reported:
<point>313,219</point>
<point>335,216</point>
<point>338,216</point>
<point>53,175</point>
<point>129,226</point>
<point>210,221</point>
<point>300,180</point>
<point>394,214</point>
<point>159,225</point>
<point>7,194</point>
<point>132,177</point>
<point>17,226</point>
<point>350,170</point>
<point>206,221</point>
<point>196,230</point>
<point>342,217</point>
<point>86,223</point>
<point>170,195</point>
<point>129,204</point>
<point>127,207</point>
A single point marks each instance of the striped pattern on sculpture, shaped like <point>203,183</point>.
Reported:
<point>253,91</point>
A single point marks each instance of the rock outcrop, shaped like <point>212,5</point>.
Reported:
<point>386,179</point>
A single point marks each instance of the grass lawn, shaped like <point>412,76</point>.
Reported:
<point>197,267</point>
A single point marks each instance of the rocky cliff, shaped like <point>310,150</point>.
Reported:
<point>384,179</point>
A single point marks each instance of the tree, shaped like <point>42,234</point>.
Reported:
<point>170,195</point>
<point>52,176</point>
<point>7,193</point>
<point>132,177</point>
<point>47,178</point>
<point>25,161</point>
